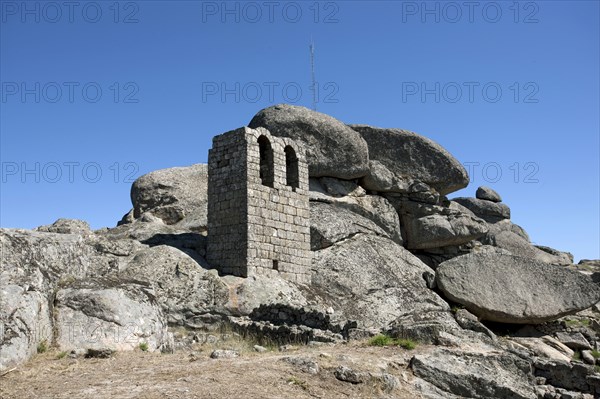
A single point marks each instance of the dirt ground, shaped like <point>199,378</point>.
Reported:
<point>191,373</point>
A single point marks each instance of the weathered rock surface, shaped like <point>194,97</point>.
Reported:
<point>430,326</point>
<point>469,321</point>
<point>39,260</point>
<point>519,246</point>
<point>476,375</point>
<point>25,322</point>
<point>403,157</point>
<point>576,376</point>
<point>489,211</point>
<point>67,226</point>
<point>373,280</point>
<point>433,226</point>
<point>174,195</point>
<point>488,194</point>
<point>511,289</point>
<point>333,149</point>
<point>330,224</point>
<point>565,258</point>
<point>545,347</point>
<point>306,365</point>
<point>248,294</point>
<point>376,209</point>
<point>507,225</point>
<point>34,264</point>
<point>336,187</point>
<point>108,313</point>
<point>575,340</point>
<point>224,354</point>
<point>183,288</point>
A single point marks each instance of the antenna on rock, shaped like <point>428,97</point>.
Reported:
<point>313,83</point>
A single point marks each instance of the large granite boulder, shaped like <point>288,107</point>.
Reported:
<point>511,289</point>
<point>109,314</point>
<point>174,195</point>
<point>488,194</point>
<point>333,149</point>
<point>400,157</point>
<point>489,211</point>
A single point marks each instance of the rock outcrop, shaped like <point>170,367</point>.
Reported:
<point>390,254</point>
<point>512,289</point>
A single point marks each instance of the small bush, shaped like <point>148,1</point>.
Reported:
<point>456,308</point>
<point>406,343</point>
<point>144,346</point>
<point>381,340</point>
<point>596,353</point>
<point>385,340</point>
<point>597,369</point>
<point>296,381</point>
<point>42,346</point>
<point>577,323</point>
<point>576,356</point>
<point>61,355</point>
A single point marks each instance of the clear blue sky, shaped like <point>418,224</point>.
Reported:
<point>505,87</point>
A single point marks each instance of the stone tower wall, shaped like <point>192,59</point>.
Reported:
<point>255,229</point>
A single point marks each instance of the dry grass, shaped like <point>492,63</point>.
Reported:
<point>191,373</point>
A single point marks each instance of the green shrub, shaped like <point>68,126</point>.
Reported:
<point>42,346</point>
<point>406,343</point>
<point>144,346</point>
<point>577,323</point>
<point>456,308</point>
<point>386,340</point>
<point>381,340</point>
<point>596,353</point>
<point>61,355</point>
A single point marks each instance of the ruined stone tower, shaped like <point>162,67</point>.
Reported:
<point>258,210</point>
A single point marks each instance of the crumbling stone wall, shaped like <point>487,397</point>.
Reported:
<point>258,206</point>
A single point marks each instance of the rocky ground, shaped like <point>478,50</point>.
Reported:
<point>493,315</point>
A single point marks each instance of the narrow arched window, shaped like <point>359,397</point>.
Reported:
<point>291,168</point>
<point>266,161</point>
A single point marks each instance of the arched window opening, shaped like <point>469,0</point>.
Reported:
<point>291,168</point>
<point>266,161</point>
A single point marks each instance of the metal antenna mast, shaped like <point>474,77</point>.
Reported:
<point>312,74</point>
